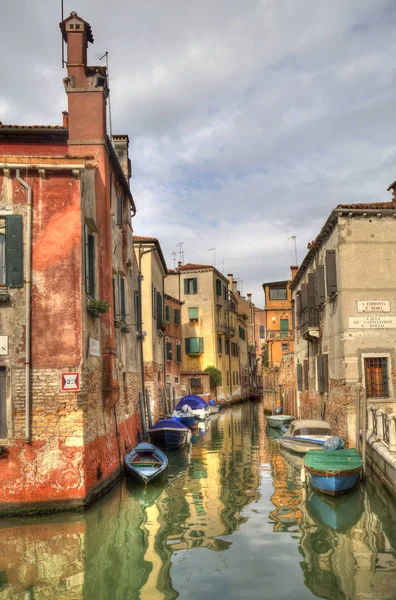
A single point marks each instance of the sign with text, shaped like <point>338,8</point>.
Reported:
<point>3,345</point>
<point>372,322</point>
<point>94,347</point>
<point>70,382</point>
<point>364,306</point>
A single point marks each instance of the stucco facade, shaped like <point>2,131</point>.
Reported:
<point>345,301</point>
<point>65,227</point>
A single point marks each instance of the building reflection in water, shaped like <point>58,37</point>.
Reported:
<point>127,544</point>
<point>348,544</point>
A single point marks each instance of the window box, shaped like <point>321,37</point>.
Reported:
<point>5,296</point>
<point>97,307</point>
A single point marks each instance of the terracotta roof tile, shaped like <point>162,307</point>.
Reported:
<point>31,126</point>
<point>144,238</point>
<point>370,205</point>
<point>190,266</point>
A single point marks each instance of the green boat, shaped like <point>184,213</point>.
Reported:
<point>333,472</point>
<point>278,421</point>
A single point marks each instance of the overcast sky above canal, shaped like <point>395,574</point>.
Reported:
<point>249,120</point>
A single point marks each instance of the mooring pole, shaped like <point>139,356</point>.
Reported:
<point>357,446</point>
<point>364,431</point>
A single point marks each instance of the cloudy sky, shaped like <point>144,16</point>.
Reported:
<point>248,119</point>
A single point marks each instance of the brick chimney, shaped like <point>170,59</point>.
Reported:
<point>230,278</point>
<point>121,146</point>
<point>86,87</point>
<point>293,270</point>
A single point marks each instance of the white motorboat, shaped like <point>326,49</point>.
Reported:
<point>306,434</point>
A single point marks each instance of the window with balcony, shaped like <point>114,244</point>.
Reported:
<point>278,293</point>
<point>284,327</point>
<point>191,285</point>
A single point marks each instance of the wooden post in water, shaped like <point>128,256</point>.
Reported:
<point>364,430</point>
<point>358,420</point>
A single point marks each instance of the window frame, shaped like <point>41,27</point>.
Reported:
<point>191,285</point>
<point>277,290</point>
<point>192,319</point>
<point>383,355</point>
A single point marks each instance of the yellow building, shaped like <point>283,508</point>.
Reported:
<point>153,270</point>
<point>278,320</point>
<point>208,327</point>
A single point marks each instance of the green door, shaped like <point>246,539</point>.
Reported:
<point>284,327</point>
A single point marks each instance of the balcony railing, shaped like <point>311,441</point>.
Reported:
<point>280,334</point>
<point>309,319</point>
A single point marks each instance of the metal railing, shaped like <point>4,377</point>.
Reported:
<point>385,428</point>
<point>309,317</point>
<point>280,334</point>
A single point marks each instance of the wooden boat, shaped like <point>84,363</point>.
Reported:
<point>145,462</point>
<point>169,434</point>
<point>196,405</point>
<point>333,472</point>
<point>305,434</point>
<point>278,421</point>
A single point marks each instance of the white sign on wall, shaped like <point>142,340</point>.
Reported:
<point>372,322</point>
<point>364,306</point>
<point>94,347</point>
<point>3,345</point>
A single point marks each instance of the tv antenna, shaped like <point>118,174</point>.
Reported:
<point>293,237</point>
<point>106,57</point>
<point>62,38</point>
<point>214,255</point>
<point>174,259</point>
<point>181,252</point>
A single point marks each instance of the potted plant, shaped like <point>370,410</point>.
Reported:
<point>97,307</point>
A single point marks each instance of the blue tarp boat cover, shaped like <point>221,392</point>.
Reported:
<point>194,402</point>
<point>145,447</point>
<point>173,423</point>
<point>212,403</point>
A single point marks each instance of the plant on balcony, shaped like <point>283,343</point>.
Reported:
<point>97,307</point>
<point>215,377</point>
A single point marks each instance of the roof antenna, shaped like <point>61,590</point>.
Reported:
<point>106,57</point>
<point>63,40</point>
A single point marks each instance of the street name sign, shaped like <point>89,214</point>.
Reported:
<point>364,306</point>
<point>3,345</point>
<point>372,322</point>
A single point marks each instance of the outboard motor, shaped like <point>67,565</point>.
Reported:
<point>279,410</point>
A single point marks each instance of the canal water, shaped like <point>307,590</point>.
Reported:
<point>230,521</point>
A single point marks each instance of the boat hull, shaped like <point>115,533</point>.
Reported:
<point>145,465</point>
<point>171,439</point>
<point>188,421</point>
<point>213,410</point>
<point>278,421</point>
<point>334,484</point>
<point>300,446</point>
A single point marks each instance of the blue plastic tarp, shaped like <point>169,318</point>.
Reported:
<point>194,402</point>
<point>173,423</point>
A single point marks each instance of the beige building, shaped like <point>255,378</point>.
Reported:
<point>153,270</point>
<point>344,296</point>
<point>208,327</point>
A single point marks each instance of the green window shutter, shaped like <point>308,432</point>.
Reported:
<point>114,300</point>
<point>218,287</point>
<point>167,313</point>
<point>168,350</point>
<point>14,251</point>
<point>159,310</point>
<point>137,311</point>
<point>187,344</point>
<point>331,272</point>
<point>186,290</point>
<point>122,302</point>
<point>91,261</point>
<point>195,285</point>
<point>299,377</point>
<point>201,345</point>
<point>176,316</point>
<point>119,210</point>
<point>178,352</point>
<point>193,314</point>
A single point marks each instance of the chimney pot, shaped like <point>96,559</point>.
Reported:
<point>65,119</point>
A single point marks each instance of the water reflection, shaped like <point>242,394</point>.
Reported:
<point>230,516</point>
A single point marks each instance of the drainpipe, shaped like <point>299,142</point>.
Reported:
<point>28,298</point>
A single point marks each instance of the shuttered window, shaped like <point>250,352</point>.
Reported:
<point>305,374</point>
<point>89,244</point>
<point>154,300</point>
<point>167,313</point>
<point>304,296</point>
<point>219,345</point>
<point>322,363</point>
<point>2,250</point>
<point>331,272</point>
<point>119,210</point>
<point>224,292</point>
<point>242,333</point>
<point>278,293</point>
<point>159,310</point>
<point>319,279</point>
<point>137,310</point>
<point>194,345</point>
<point>14,251</point>
<point>311,291</point>
<point>193,314</point>
<point>191,285</point>
<point>299,377</point>
<point>3,403</point>
<point>218,287</point>
<point>284,328</point>
<point>169,352</point>
<point>227,346</point>
<point>178,352</point>
<point>176,316</point>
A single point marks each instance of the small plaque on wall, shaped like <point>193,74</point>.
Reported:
<point>3,345</point>
<point>94,347</point>
<point>382,306</point>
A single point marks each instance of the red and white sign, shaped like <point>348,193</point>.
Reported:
<point>70,382</point>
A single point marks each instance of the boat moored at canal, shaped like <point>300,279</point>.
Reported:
<point>279,421</point>
<point>195,405</point>
<point>169,434</point>
<point>333,472</point>
<point>145,462</point>
<point>306,434</point>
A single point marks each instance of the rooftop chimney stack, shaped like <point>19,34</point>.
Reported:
<point>293,270</point>
<point>86,87</point>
